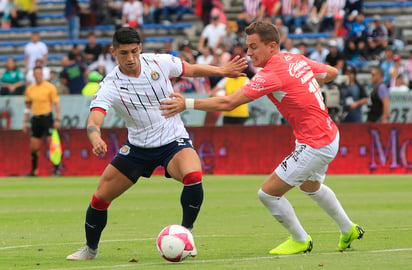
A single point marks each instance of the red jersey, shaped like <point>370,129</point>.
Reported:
<point>289,81</point>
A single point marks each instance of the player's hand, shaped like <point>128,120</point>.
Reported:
<point>173,106</point>
<point>99,147</point>
<point>235,67</point>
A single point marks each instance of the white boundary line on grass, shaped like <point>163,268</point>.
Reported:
<point>192,262</point>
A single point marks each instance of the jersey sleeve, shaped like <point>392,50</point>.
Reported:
<point>101,101</point>
<point>262,84</point>
<point>320,70</point>
<point>173,64</point>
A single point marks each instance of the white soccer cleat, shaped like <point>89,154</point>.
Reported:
<point>83,254</point>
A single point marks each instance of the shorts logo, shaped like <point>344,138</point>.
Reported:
<point>155,76</point>
<point>295,156</point>
<point>124,150</point>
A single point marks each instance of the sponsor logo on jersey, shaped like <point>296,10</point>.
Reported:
<point>155,75</point>
<point>125,150</point>
<point>298,68</point>
<point>257,83</point>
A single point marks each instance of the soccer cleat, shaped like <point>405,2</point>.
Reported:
<point>291,246</point>
<point>355,232</point>
<point>83,254</point>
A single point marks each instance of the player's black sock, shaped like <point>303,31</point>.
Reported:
<point>191,200</point>
<point>96,220</point>
<point>34,158</point>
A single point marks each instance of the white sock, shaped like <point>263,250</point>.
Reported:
<point>326,199</point>
<point>283,211</point>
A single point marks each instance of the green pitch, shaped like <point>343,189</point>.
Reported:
<point>42,220</point>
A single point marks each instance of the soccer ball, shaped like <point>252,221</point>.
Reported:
<point>175,243</point>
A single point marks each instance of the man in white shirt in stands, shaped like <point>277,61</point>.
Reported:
<point>34,50</point>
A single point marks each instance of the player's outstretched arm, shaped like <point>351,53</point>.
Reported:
<point>232,69</point>
<point>93,132</point>
<point>179,103</point>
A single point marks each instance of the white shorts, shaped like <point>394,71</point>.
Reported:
<point>307,163</point>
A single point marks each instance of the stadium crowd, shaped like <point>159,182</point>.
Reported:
<point>355,41</point>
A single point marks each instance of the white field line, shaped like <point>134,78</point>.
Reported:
<point>191,262</point>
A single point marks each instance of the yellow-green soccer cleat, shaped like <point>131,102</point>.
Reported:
<point>291,246</point>
<point>355,232</point>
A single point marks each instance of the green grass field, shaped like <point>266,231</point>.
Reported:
<point>42,220</point>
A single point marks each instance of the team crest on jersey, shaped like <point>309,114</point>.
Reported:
<point>125,150</point>
<point>155,75</point>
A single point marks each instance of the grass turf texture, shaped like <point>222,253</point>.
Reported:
<point>42,221</point>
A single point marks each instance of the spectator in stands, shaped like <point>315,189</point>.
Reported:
<point>178,7</point>
<point>395,37</point>
<point>387,64</point>
<point>115,8</point>
<point>289,47</point>
<point>203,9</point>
<point>286,12</point>
<point>320,53</point>
<point>408,69</point>
<point>7,7</point>
<point>225,87</point>
<point>397,70</point>
<point>249,14</point>
<point>187,53</point>
<point>335,57</point>
<point>231,37</point>
<point>34,50</point>
<point>72,14</point>
<point>206,56</point>
<point>220,58</point>
<point>92,50</point>
<point>212,34</point>
<point>218,8</point>
<point>46,72</point>
<point>132,11</point>
<point>358,33</point>
<point>91,87</point>
<point>399,85</point>
<point>73,75</point>
<point>283,30</point>
<point>301,12</point>
<point>377,37</point>
<point>55,80</point>
<point>12,80</point>
<point>317,14</point>
<point>168,48</point>
<point>340,33</point>
<point>269,10</point>
<point>303,49</point>
<point>79,55</point>
<point>99,9</point>
<point>106,61</point>
<point>353,5</point>
<point>24,8</point>
<point>354,96</point>
<point>379,98</point>
<point>332,7</point>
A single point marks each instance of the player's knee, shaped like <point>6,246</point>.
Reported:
<point>192,178</point>
<point>99,204</point>
<point>266,198</point>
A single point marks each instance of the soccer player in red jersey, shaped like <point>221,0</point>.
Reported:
<point>291,82</point>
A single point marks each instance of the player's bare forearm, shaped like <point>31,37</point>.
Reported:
<point>93,132</point>
<point>178,103</point>
<point>232,69</point>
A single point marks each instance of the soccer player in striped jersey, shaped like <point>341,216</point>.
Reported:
<point>291,82</point>
<point>135,89</point>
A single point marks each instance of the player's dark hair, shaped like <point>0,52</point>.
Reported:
<point>37,67</point>
<point>125,35</point>
<point>266,31</point>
